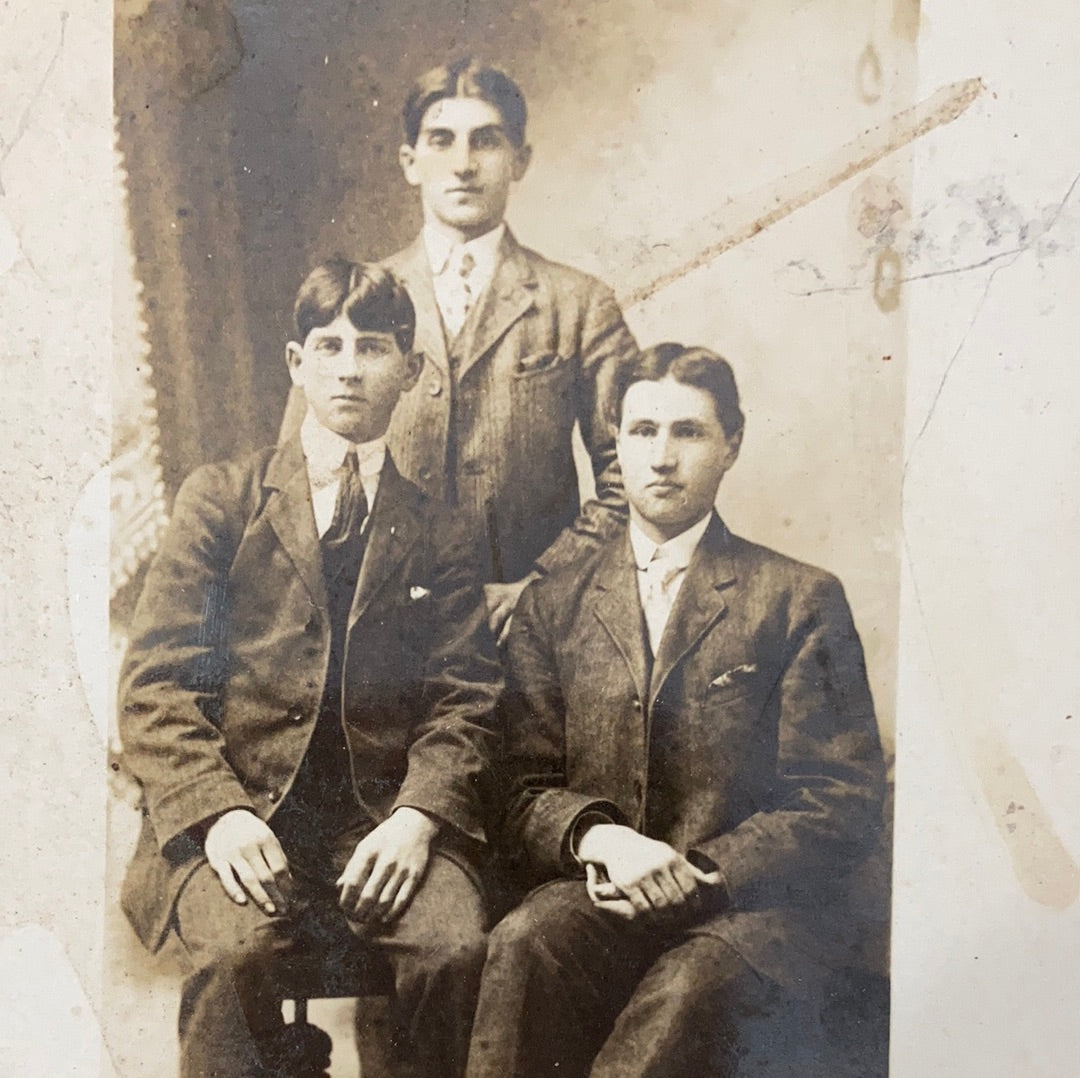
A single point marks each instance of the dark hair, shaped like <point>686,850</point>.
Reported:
<point>371,297</point>
<point>466,78</point>
<point>692,367</point>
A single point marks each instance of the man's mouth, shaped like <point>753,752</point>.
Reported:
<point>464,191</point>
<point>664,488</point>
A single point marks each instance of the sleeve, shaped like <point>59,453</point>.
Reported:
<point>826,807</point>
<point>173,672</point>
<point>450,760</point>
<point>541,812</point>
<point>607,344</point>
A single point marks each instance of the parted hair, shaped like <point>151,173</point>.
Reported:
<point>467,78</point>
<point>696,367</point>
<point>371,297</point>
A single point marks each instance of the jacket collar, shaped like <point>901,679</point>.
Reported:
<point>393,529</point>
<point>699,604</point>
<point>510,294</point>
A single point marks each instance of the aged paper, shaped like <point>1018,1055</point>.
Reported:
<point>883,183</point>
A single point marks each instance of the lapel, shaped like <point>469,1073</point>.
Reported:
<point>698,605</point>
<point>289,512</point>
<point>414,270</point>
<point>618,608</point>
<point>510,294</point>
<point>393,529</point>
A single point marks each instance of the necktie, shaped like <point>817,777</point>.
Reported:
<point>351,506</point>
<point>658,598</point>
<point>459,294</point>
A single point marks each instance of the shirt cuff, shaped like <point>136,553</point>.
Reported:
<point>589,818</point>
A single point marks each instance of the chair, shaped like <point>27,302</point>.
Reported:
<point>337,972</point>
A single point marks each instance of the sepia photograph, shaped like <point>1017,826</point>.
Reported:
<point>535,590</point>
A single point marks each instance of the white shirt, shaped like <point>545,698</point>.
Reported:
<point>661,570</point>
<point>325,453</point>
<point>444,257</point>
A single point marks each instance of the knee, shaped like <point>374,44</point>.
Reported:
<point>249,951</point>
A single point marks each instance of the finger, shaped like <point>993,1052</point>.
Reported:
<point>404,896</point>
<point>265,875</point>
<point>652,891</point>
<point>619,907</point>
<point>710,878</point>
<point>639,899</point>
<point>365,907</point>
<point>229,883</point>
<point>599,890</point>
<point>505,630</point>
<point>252,885</point>
<point>683,877</point>
<point>354,877</point>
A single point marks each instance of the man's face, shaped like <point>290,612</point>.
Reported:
<point>352,378</point>
<point>463,162</point>
<point>673,453</point>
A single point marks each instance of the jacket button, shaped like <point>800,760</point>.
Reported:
<point>434,387</point>
<point>425,473</point>
<point>273,795</point>
<point>637,704</point>
<point>295,714</point>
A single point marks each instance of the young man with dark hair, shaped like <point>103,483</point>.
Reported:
<point>307,702</point>
<point>516,348</point>
<point>695,766</point>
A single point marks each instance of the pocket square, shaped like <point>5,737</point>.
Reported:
<point>541,361</point>
<point>417,592</point>
<point>729,677</point>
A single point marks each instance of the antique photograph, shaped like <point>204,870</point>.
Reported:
<point>471,719</point>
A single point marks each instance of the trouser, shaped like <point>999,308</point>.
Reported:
<point>570,990</point>
<point>230,1010</point>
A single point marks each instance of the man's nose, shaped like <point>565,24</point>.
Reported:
<point>662,457</point>
<point>462,160</point>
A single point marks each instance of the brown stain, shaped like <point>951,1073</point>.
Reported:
<point>888,274</point>
<point>907,19</point>
<point>1042,865</point>
<point>868,75</point>
<point>811,182</point>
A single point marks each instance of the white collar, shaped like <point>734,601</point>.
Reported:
<point>484,249</point>
<point>676,551</point>
<point>325,451</point>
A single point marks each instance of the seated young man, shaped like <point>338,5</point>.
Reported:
<point>695,764</point>
<point>307,702</point>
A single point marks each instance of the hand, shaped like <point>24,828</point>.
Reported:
<point>500,600</point>
<point>648,876</point>
<point>387,867</point>
<point>248,860</point>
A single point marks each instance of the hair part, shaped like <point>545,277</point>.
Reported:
<point>371,297</point>
<point>467,78</point>
<point>696,367</point>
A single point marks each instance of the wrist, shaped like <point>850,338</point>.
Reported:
<point>594,840</point>
<point>418,820</point>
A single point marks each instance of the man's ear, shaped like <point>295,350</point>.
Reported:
<point>294,358</point>
<point>734,445</point>
<point>414,366</point>
<point>407,160</point>
<point>521,161</point>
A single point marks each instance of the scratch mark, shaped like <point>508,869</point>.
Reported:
<point>949,271</point>
<point>975,317</point>
<point>24,119</point>
<point>811,182</point>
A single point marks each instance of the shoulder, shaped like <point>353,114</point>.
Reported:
<point>564,278</point>
<point>777,578</point>
<point>228,480</point>
<point>558,596</point>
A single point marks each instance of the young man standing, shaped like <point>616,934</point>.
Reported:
<point>695,767</point>
<point>516,348</point>
<point>307,702</point>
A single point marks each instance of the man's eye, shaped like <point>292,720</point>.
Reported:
<point>486,140</point>
<point>439,139</point>
<point>330,346</point>
<point>373,348</point>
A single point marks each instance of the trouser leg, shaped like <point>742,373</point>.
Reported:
<point>557,973</point>
<point>229,1010</point>
<point>686,1013</point>
<point>436,950</point>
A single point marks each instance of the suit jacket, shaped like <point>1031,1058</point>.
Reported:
<point>751,738</point>
<point>229,653</point>
<point>488,427</point>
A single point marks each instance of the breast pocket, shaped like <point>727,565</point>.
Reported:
<point>538,364</point>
